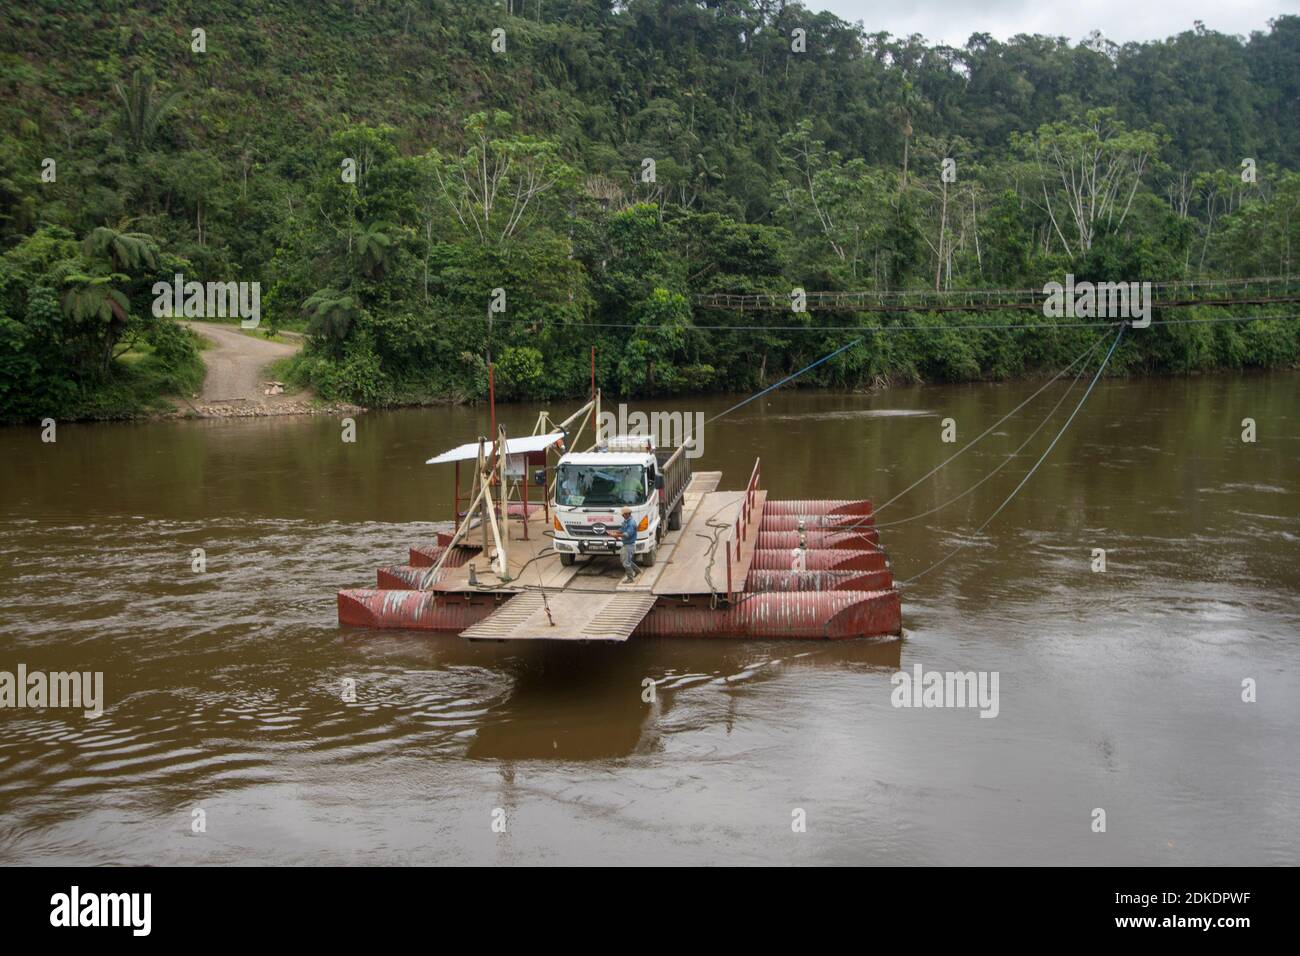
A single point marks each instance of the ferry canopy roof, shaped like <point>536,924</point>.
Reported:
<point>514,446</point>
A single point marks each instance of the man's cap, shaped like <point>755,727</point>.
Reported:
<point>627,510</point>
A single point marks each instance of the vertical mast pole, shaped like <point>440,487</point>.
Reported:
<point>505,504</point>
<point>485,496</point>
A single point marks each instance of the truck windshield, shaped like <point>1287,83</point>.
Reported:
<point>580,485</point>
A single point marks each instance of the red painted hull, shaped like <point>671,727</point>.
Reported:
<point>412,610</point>
<point>816,522</point>
<point>426,556</point>
<point>818,581</point>
<point>863,540</point>
<point>829,506</point>
<point>804,615</point>
<point>400,577</point>
<point>822,560</point>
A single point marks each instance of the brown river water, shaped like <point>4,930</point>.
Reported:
<point>1119,690</point>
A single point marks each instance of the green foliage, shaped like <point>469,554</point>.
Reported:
<point>661,356</point>
<point>143,109</point>
<point>520,372</point>
<point>331,315</point>
<point>387,238</point>
<point>125,250</point>
<point>67,315</point>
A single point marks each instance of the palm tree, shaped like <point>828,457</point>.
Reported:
<point>143,109</point>
<point>907,104</point>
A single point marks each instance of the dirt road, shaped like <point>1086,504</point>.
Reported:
<point>237,370</point>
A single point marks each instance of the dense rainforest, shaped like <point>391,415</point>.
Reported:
<point>415,183</point>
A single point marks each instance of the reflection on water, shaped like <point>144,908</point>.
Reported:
<point>225,690</point>
<point>587,702</point>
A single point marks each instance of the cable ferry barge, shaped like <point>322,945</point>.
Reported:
<point>726,564</point>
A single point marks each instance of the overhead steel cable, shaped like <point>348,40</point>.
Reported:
<point>1029,474</point>
<point>1005,461</point>
<point>974,441</point>
<point>788,378</point>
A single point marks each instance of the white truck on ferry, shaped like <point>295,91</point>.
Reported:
<point>592,488</point>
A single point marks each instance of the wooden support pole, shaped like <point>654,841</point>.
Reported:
<point>462,530</point>
<point>582,411</point>
<point>503,570</point>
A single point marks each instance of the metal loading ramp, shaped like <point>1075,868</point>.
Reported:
<point>574,616</point>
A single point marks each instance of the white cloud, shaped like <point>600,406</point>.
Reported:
<point>953,21</point>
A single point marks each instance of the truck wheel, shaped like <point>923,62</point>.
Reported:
<point>567,559</point>
<point>647,559</point>
<point>675,518</point>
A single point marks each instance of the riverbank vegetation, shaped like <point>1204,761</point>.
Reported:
<point>387,179</point>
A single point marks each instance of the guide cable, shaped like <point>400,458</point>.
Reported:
<point>1006,501</point>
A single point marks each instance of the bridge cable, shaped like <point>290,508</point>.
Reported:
<point>981,327</point>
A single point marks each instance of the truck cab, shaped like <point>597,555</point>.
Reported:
<point>592,488</point>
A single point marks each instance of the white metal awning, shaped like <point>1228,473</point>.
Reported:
<point>514,446</point>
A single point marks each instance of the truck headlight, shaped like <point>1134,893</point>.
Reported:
<point>558,527</point>
<point>645,524</point>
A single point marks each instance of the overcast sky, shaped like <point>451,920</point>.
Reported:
<point>953,21</point>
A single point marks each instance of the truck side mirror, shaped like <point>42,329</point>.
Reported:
<point>539,477</point>
<point>659,482</point>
